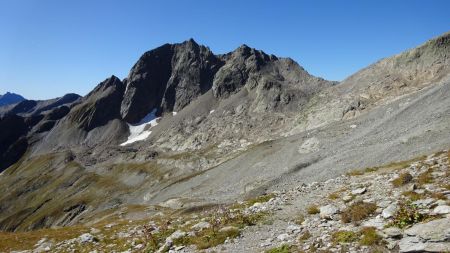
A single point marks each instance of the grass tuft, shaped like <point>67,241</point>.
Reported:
<point>425,177</point>
<point>357,212</point>
<point>369,237</point>
<point>344,236</point>
<point>402,180</point>
<point>313,209</point>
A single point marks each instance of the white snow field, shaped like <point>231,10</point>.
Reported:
<point>138,132</point>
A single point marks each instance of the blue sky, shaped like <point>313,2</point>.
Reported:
<point>52,47</point>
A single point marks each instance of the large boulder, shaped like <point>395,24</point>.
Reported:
<point>433,236</point>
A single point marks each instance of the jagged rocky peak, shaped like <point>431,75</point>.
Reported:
<point>100,106</point>
<point>168,78</point>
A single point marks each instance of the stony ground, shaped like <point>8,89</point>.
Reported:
<point>399,207</point>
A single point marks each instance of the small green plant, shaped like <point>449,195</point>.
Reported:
<point>402,179</point>
<point>312,209</point>
<point>344,236</point>
<point>281,249</point>
<point>369,237</point>
<point>407,214</point>
<point>358,211</point>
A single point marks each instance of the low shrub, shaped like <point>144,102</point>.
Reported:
<point>358,211</point>
<point>407,214</point>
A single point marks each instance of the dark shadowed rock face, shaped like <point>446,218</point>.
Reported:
<point>168,78</point>
<point>240,65</point>
<point>100,106</point>
<point>12,128</point>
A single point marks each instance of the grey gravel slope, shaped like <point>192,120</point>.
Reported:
<point>408,127</point>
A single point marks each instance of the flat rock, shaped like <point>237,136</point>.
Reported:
<point>86,238</point>
<point>393,232</point>
<point>433,236</point>
<point>423,202</point>
<point>201,225</point>
<point>359,191</point>
<point>444,209</point>
<point>327,211</point>
<point>283,237</point>
<point>376,222</point>
<point>228,229</point>
<point>389,211</point>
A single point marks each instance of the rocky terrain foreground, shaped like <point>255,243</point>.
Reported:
<point>398,207</point>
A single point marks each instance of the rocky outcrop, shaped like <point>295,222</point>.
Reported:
<point>168,78</point>
<point>433,236</point>
<point>100,106</point>
<point>242,66</point>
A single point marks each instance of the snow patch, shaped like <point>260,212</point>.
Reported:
<point>174,113</point>
<point>211,111</point>
<point>138,132</point>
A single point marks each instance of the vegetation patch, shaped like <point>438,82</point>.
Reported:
<point>260,199</point>
<point>281,249</point>
<point>407,214</point>
<point>425,177</point>
<point>358,211</point>
<point>344,236</point>
<point>334,195</point>
<point>369,237</point>
<point>313,209</point>
<point>208,238</point>
<point>402,179</point>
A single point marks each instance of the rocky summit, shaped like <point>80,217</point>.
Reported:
<point>237,152</point>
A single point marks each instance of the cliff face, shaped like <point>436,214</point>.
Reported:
<point>167,79</point>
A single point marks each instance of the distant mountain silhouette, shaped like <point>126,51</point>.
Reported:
<point>10,98</point>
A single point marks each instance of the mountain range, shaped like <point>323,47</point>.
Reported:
<point>189,128</point>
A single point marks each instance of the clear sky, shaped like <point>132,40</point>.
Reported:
<point>52,47</point>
